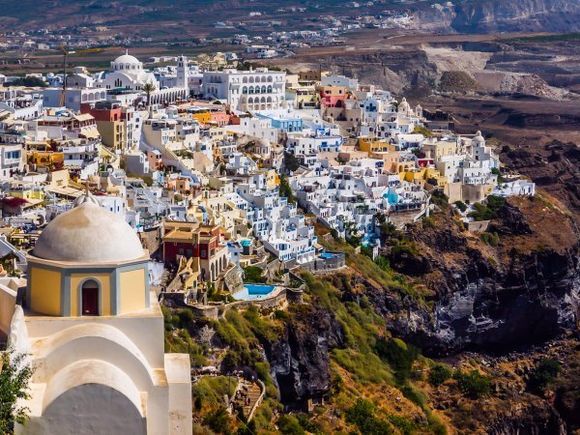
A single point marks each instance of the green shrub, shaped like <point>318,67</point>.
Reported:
<point>439,374</point>
<point>461,206</point>
<point>405,426</point>
<point>362,414</point>
<point>289,425</point>
<point>439,198</point>
<point>399,355</point>
<point>489,210</point>
<point>219,421</point>
<point>543,375</point>
<point>383,263</point>
<point>212,389</point>
<point>492,239</point>
<point>473,384</point>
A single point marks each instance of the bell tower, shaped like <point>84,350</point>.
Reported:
<point>183,73</point>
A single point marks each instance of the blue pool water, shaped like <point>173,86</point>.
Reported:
<point>252,292</point>
<point>327,255</point>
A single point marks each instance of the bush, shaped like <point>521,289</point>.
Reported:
<point>489,210</point>
<point>218,421</point>
<point>31,82</point>
<point>405,426</point>
<point>383,263</point>
<point>289,425</point>
<point>439,374</point>
<point>544,374</point>
<point>362,414</point>
<point>439,198</point>
<point>461,206</point>
<point>473,384</point>
<point>286,190</point>
<point>492,239</point>
<point>399,355</point>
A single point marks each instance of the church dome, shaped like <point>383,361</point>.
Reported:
<point>88,234</point>
<point>127,59</point>
<point>478,139</point>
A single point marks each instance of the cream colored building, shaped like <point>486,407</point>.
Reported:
<point>94,332</point>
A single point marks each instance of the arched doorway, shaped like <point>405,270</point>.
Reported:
<point>90,298</point>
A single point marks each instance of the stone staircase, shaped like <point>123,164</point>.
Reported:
<point>248,397</point>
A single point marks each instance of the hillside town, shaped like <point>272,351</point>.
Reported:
<point>208,187</point>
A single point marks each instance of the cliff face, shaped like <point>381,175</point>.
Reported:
<point>484,16</point>
<point>300,359</point>
<point>521,292</point>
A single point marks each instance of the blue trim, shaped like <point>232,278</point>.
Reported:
<point>65,304</point>
<point>115,294</point>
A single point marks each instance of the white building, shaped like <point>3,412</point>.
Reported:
<point>128,74</point>
<point>258,89</point>
<point>11,160</point>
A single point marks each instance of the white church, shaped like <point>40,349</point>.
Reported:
<point>94,334</point>
<point>127,73</point>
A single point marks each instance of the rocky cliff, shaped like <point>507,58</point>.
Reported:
<point>525,290</point>
<point>484,16</point>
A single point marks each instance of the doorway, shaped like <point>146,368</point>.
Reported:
<point>90,298</point>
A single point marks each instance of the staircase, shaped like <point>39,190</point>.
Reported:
<point>248,397</point>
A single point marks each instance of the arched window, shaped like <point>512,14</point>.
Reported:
<point>263,89</point>
<point>90,298</point>
<point>270,89</point>
<point>245,90</point>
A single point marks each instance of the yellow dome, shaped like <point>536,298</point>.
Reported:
<point>88,234</point>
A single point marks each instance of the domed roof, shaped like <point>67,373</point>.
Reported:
<point>127,59</point>
<point>478,138</point>
<point>88,234</point>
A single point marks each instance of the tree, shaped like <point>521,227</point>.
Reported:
<point>15,375</point>
<point>30,82</point>
<point>149,88</point>
<point>543,375</point>
<point>286,190</point>
<point>473,384</point>
<point>439,374</point>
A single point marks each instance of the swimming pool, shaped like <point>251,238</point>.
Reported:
<point>252,292</point>
<point>327,255</point>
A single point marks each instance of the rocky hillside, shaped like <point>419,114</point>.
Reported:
<point>446,332</point>
<point>483,16</point>
<point>471,16</point>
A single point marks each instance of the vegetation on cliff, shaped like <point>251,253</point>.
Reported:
<point>352,352</point>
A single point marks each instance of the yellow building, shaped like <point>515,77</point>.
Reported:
<point>272,179</point>
<point>374,145</point>
<point>113,134</point>
<point>26,191</point>
<point>93,330</point>
<point>421,175</point>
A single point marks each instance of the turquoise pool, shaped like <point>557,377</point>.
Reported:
<point>327,255</point>
<point>252,292</point>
